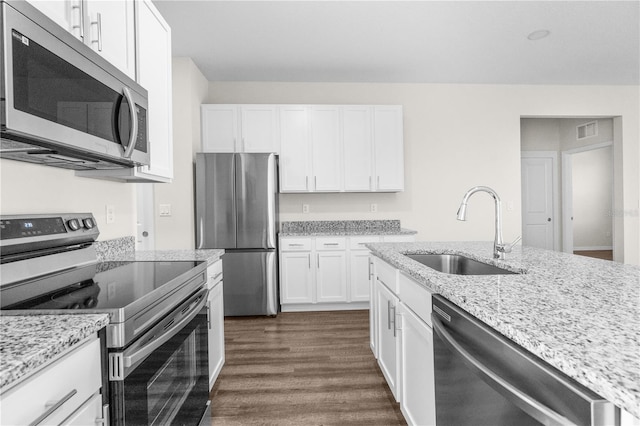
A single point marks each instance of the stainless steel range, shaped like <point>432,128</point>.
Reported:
<point>156,341</point>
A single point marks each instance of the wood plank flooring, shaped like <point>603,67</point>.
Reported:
<point>310,368</point>
<point>598,254</point>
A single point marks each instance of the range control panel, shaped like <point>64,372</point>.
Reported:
<point>12,227</point>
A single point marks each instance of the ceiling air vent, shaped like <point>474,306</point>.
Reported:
<point>587,130</point>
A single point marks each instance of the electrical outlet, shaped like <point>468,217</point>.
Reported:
<point>110,212</point>
<point>165,209</point>
<point>373,207</point>
<point>305,208</point>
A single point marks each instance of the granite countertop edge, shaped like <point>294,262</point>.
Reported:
<point>208,255</point>
<point>542,309</point>
<point>348,233</point>
<point>29,342</point>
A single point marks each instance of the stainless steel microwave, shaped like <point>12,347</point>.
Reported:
<point>62,104</point>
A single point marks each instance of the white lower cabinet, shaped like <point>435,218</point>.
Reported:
<point>402,340</point>
<point>327,273</point>
<point>67,391</point>
<point>215,308</point>
<point>388,337</point>
<point>416,366</point>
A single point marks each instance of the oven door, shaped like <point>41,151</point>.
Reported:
<point>61,94</point>
<point>162,378</point>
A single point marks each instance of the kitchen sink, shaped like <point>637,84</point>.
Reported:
<point>457,264</point>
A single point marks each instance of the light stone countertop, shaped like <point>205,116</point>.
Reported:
<point>209,255</point>
<point>28,342</point>
<point>579,314</point>
<point>347,233</point>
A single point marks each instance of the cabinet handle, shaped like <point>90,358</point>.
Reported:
<point>215,277</point>
<point>394,319</point>
<point>243,145</point>
<point>378,183</point>
<point>331,244</point>
<point>80,25</point>
<point>309,257</point>
<point>98,24</point>
<point>318,261</point>
<point>369,264</point>
<point>306,183</point>
<point>315,182</point>
<point>369,182</point>
<point>388,314</point>
<point>295,245</point>
<point>53,407</point>
<point>209,316</point>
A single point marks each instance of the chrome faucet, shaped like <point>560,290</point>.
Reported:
<point>499,247</point>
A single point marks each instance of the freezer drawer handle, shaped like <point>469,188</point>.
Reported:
<point>529,405</point>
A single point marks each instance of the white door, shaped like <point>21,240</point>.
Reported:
<point>388,146</point>
<point>357,148</point>
<point>331,276</point>
<point>219,128</point>
<point>296,279</point>
<point>360,272</point>
<point>327,152</point>
<point>216,332</point>
<point>111,32</point>
<point>295,150</point>
<point>259,128</point>
<point>537,202</point>
<point>388,347</point>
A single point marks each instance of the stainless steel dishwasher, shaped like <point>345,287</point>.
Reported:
<point>483,378</point>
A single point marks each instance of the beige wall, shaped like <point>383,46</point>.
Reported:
<point>189,90</point>
<point>456,137</point>
<point>31,188</point>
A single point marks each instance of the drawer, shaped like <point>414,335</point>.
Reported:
<point>398,238</point>
<point>67,383</point>
<point>415,297</point>
<point>295,244</point>
<point>386,274</point>
<point>358,243</point>
<point>214,274</point>
<point>331,243</point>
<point>88,413</point>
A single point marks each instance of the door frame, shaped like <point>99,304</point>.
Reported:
<point>567,194</point>
<point>555,193</point>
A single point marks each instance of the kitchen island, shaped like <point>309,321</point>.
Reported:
<point>581,315</point>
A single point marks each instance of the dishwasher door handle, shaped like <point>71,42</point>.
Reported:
<point>525,402</point>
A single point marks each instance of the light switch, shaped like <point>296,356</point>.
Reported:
<point>165,209</point>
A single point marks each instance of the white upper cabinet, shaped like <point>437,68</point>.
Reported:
<point>108,27</point>
<point>326,148</point>
<point>295,148</point>
<point>240,128</point>
<point>388,148</point>
<point>357,148</point>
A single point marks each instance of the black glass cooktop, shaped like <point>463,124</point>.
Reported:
<point>101,286</point>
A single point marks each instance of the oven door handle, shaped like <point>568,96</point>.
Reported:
<point>194,305</point>
<point>525,402</point>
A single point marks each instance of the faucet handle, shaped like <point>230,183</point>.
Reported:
<point>506,248</point>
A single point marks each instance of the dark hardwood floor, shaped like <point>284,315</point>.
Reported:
<point>311,368</point>
<point>598,254</point>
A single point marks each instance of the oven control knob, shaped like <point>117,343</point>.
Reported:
<point>88,223</point>
<point>73,224</point>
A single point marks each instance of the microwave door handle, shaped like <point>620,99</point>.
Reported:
<point>134,123</point>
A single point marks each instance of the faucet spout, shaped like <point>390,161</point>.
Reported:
<point>462,215</point>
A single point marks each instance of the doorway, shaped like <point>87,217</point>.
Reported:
<point>568,205</point>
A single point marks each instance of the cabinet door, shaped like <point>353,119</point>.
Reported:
<point>331,276</point>
<point>417,378</point>
<point>374,313</point>
<point>259,128</point>
<point>360,274</point>
<point>326,147</point>
<point>109,30</point>
<point>388,337</point>
<point>296,283</point>
<point>357,148</point>
<point>219,128</point>
<point>154,74</point>
<point>295,151</point>
<point>216,332</point>
<point>62,12</point>
<point>388,148</point>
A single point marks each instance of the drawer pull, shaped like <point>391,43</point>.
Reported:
<point>51,408</point>
<point>331,244</point>
<point>215,277</point>
<point>295,245</point>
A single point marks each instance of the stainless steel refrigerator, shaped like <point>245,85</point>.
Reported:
<point>237,210</point>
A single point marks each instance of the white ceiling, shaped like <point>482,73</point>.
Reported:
<point>591,42</point>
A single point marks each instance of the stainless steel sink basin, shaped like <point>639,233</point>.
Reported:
<point>457,264</point>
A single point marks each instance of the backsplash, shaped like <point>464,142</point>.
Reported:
<point>340,225</point>
<point>112,248</point>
